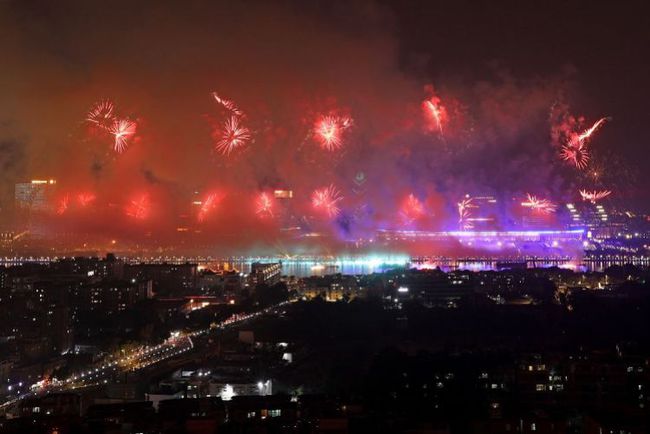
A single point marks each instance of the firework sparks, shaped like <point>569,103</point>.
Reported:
<point>85,199</point>
<point>329,131</point>
<point>139,207</point>
<point>436,112</point>
<point>464,213</point>
<point>207,206</point>
<point>543,206</point>
<point>327,199</point>
<point>227,104</point>
<point>63,205</point>
<point>412,209</point>
<point>233,136</point>
<point>586,134</point>
<point>102,114</point>
<point>576,155</point>
<point>264,205</point>
<point>122,130</point>
<point>594,195</point>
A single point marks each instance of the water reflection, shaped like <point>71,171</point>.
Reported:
<point>359,267</point>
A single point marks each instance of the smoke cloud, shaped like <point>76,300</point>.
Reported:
<point>284,64</point>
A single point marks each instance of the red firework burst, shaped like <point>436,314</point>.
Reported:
<point>436,113</point>
<point>264,205</point>
<point>543,206</point>
<point>62,207</point>
<point>594,195</point>
<point>232,136</point>
<point>102,114</point>
<point>464,213</point>
<point>576,155</point>
<point>139,208</point>
<point>122,130</point>
<point>326,199</point>
<point>329,130</point>
<point>412,209</point>
<point>227,104</point>
<point>85,199</point>
<point>208,205</point>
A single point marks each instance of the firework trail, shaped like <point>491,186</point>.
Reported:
<point>138,208</point>
<point>207,206</point>
<point>326,199</point>
<point>594,195</point>
<point>122,130</point>
<point>102,114</point>
<point>329,130</point>
<point>543,206</point>
<point>464,214</point>
<point>233,136</point>
<point>227,104</point>
<point>63,205</point>
<point>84,199</point>
<point>264,205</point>
<point>412,209</point>
<point>573,148</point>
<point>436,112</point>
<point>580,138</point>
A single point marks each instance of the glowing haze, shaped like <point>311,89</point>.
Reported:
<point>141,117</point>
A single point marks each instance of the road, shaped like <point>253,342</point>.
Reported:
<point>136,360</point>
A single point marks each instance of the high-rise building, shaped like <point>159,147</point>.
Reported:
<point>268,274</point>
<point>35,195</point>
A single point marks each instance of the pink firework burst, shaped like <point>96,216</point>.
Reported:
<point>543,206</point>
<point>326,199</point>
<point>102,114</point>
<point>122,130</point>
<point>232,136</point>
<point>264,205</point>
<point>594,195</point>
<point>329,130</point>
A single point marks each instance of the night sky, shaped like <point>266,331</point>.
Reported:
<point>500,68</point>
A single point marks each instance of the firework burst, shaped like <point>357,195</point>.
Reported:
<point>208,205</point>
<point>227,104</point>
<point>542,206</point>
<point>326,199</point>
<point>576,155</point>
<point>122,130</point>
<point>594,195</point>
<point>139,208</point>
<point>586,134</point>
<point>85,199</point>
<point>233,135</point>
<point>412,209</point>
<point>464,214</point>
<point>329,130</point>
<point>264,205</point>
<point>102,114</point>
<point>436,113</point>
<point>63,205</point>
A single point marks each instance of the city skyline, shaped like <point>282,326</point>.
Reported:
<point>360,122</point>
